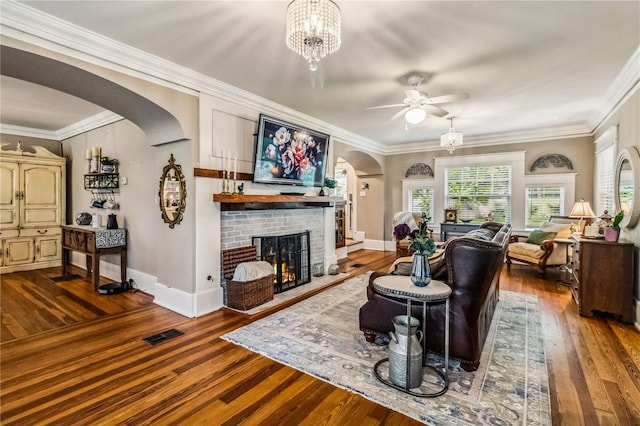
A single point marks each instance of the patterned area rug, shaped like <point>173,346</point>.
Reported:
<point>320,336</point>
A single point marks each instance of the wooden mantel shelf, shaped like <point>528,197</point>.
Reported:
<point>270,202</point>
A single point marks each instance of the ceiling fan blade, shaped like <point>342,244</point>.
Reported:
<point>434,110</point>
<point>387,106</point>
<point>447,98</point>
<point>412,94</point>
<point>400,113</point>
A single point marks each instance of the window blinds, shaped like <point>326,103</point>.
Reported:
<point>480,192</point>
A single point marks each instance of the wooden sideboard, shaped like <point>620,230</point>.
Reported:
<point>94,242</point>
<point>602,277</point>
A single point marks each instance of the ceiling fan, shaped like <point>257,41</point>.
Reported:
<point>417,104</point>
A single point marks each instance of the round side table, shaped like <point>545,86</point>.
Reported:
<point>400,286</point>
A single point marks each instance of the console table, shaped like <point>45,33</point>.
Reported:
<point>94,242</point>
<point>448,229</point>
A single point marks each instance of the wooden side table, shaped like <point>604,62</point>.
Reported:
<point>94,242</point>
<point>400,286</point>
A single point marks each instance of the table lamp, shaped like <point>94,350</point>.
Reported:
<point>582,209</point>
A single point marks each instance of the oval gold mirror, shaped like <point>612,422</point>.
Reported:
<point>172,193</point>
<point>627,186</point>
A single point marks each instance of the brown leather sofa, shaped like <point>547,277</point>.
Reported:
<point>471,267</point>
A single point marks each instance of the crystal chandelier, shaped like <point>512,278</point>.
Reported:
<point>313,29</point>
<point>451,139</point>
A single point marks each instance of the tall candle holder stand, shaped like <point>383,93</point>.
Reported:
<point>235,188</point>
<point>89,160</point>
<point>95,164</point>
<point>225,183</point>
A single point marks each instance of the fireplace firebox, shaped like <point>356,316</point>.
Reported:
<point>290,256</point>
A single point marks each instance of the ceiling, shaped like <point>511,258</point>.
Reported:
<point>525,65</point>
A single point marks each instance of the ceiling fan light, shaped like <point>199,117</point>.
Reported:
<point>415,115</point>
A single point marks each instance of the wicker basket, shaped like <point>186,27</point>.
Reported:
<point>245,295</point>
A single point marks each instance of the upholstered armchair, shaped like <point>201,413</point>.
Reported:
<point>540,248</point>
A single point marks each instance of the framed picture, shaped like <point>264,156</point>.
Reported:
<point>450,215</point>
<point>289,154</point>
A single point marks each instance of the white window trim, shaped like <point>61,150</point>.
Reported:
<point>408,184</point>
<point>515,159</point>
<point>566,180</point>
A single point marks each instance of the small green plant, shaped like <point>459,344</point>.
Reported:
<point>419,240</point>
<point>330,182</point>
<point>108,161</point>
<point>617,220</point>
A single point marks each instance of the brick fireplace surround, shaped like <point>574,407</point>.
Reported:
<point>237,227</point>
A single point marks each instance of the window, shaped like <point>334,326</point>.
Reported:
<point>418,196</point>
<point>542,202</point>
<point>421,200</point>
<point>479,193</point>
<point>341,182</point>
<point>605,163</point>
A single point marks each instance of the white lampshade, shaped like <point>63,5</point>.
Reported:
<point>415,115</point>
<point>582,209</point>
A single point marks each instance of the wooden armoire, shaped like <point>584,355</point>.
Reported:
<point>32,208</point>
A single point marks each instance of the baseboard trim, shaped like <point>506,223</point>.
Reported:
<point>175,300</point>
<point>208,301</point>
<point>374,245</point>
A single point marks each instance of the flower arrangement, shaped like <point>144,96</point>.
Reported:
<point>419,240</point>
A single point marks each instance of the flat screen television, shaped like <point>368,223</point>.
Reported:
<point>289,154</point>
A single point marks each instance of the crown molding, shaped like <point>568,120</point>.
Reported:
<point>91,123</point>
<point>624,85</point>
<point>28,132</point>
<point>524,136</point>
<point>86,125</point>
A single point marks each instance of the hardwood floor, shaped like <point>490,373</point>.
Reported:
<point>71,356</point>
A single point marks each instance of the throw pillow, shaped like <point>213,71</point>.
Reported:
<point>562,230</point>
<point>537,236</point>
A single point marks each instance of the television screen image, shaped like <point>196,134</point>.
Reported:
<point>289,154</point>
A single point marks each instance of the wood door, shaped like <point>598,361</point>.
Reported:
<point>48,248</point>
<point>18,251</point>
<point>41,202</point>
<point>9,195</point>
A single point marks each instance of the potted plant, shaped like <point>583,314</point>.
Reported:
<point>109,165</point>
<point>612,233</point>
<point>423,246</point>
<point>329,183</point>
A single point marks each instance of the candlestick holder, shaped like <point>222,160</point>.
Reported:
<point>89,165</point>
<point>95,164</point>
<point>225,183</point>
<point>235,191</point>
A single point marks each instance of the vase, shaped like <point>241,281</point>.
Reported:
<point>403,331</point>
<point>420,271</point>
<point>112,222</point>
<point>611,234</point>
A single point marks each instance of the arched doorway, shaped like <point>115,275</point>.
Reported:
<point>159,125</point>
<point>360,183</point>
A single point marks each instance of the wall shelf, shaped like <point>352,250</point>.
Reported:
<point>102,182</point>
